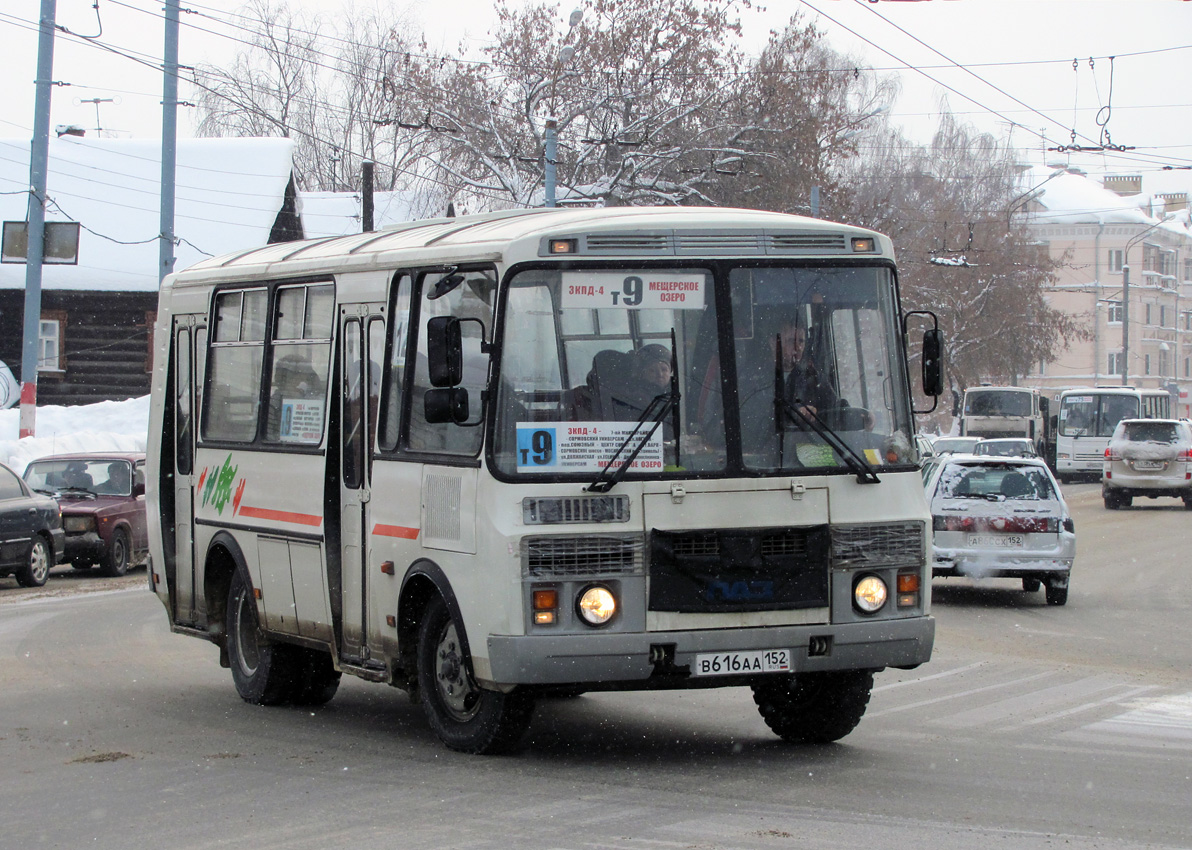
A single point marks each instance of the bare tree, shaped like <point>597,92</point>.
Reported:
<point>962,253</point>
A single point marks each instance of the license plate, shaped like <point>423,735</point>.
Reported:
<point>997,541</point>
<point>1148,464</point>
<point>729,663</point>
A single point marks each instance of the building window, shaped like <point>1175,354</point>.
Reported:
<point>1148,314</point>
<point>1146,364</point>
<point>51,334</point>
<point>1115,260</point>
<point>1162,316</point>
<point>1188,367</point>
<point>1163,366</point>
<point>1114,312</point>
<point>1188,268</point>
<point>1115,363</point>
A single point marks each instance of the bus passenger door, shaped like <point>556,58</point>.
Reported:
<point>183,477</point>
<point>362,340</point>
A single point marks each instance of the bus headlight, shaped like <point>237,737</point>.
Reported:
<point>596,605</point>
<point>869,594</point>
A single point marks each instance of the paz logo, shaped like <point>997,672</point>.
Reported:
<point>217,491</point>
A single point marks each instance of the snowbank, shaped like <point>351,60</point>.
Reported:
<point>104,427</point>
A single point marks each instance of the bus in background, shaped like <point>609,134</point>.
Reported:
<point>1087,417</point>
<point>990,412</point>
<point>492,458</point>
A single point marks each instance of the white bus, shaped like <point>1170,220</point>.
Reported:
<point>489,458</point>
<point>1005,412</point>
<point>1087,417</point>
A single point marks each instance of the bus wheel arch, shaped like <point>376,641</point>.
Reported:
<point>464,716</point>
<point>223,560</point>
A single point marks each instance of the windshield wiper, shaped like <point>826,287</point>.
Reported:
<point>854,461</point>
<point>653,415</point>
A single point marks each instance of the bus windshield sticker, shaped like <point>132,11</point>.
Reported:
<point>581,447</point>
<point>642,290</point>
<point>301,420</point>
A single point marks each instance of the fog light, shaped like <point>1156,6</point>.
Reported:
<point>597,605</point>
<point>870,594</point>
<point>545,600</point>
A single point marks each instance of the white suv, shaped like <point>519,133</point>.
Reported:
<point>1148,457</point>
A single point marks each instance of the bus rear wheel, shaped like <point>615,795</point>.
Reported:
<point>463,715</point>
<point>814,708</point>
<point>265,673</point>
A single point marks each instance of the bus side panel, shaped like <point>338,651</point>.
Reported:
<point>395,531</point>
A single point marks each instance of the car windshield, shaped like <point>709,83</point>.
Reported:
<point>1095,415</point>
<point>999,448</point>
<point>995,482</point>
<point>588,354</point>
<point>101,476</point>
<point>997,403</point>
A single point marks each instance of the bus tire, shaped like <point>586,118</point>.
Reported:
<point>464,716</point>
<point>265,673</point>
<point>318,680</point>
<point>814,708</point>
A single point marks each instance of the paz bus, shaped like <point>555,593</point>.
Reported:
<point>493,458</point>
<point>1087,418</point>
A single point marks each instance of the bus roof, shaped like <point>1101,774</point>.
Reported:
<point>1113,391</point>
<point>522,234</point>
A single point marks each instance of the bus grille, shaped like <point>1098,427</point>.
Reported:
<point>894,544</point>
<point>590,555</point>
<point>739,569</point>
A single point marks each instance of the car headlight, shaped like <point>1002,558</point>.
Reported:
<point>78,524</point>
<point>596,605</point>
<point>870,594</point>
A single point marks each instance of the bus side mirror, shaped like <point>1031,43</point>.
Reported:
<point>933,362</point>
<point>444,355</point>
<point>446,405</point>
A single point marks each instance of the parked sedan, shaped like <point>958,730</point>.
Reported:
<point>102,497</point>
<point>1001,518</point>
<point>31,539</point>
<point>1147,457</point>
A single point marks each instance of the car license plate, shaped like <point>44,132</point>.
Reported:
<point>1148,464</point>
<point>729,663</point>
<point>997,541</point>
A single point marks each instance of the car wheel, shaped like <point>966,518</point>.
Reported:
<point>1057,595</point>
<point>463,715</point>
<point>1125,501</point>
<point>115,560</point>
<point>814,708</point>
<point>265,673</point>
<point>1188,503</point>
<point>1111,502</point>
<point>1031,585</point>
<point>37,565</point>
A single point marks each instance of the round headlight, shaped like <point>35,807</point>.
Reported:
<point>597,605</point>
<point>870,594</point>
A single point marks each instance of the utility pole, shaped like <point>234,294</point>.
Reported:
<point>552,138</point>
<point>39,156</point>
<point>1125,323</point>
<point>169,141</point>
<point>366,196</point>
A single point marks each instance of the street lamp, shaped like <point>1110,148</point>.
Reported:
<point>1126,297</point>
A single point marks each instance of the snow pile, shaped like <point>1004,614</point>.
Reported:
<point>103,427</point>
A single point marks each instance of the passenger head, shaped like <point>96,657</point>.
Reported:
<point>118,476</point>
<point>653,364</point>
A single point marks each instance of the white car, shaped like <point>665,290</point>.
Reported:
<point>1147,457</point>
<point>1001,518</point>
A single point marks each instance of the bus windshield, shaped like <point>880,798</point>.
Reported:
<point>997,403</point>
<point>1095,415</point>
<point>600,363</point>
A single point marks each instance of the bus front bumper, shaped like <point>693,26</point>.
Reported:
<point>634,658</point>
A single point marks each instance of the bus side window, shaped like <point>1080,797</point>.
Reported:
<point>395,374</point>
<point>301,360</point>
<point>471,299</point>
<point>237,350</point>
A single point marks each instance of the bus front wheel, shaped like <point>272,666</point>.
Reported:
<point>814,708</point>
<point>463,715</point>
<point>265,673</point>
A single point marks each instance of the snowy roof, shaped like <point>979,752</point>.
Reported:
<point>229,192</point>
<point>1073,199</point>
<point>339,213</point>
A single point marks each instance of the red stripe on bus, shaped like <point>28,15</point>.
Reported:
<point>280,516</point>
<point>396,531</point>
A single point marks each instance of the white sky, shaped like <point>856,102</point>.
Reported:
<point>1151,40</point>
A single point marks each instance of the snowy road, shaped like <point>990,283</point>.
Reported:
<point>1033,727</point>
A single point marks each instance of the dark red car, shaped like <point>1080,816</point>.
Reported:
<point>102,497</point>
